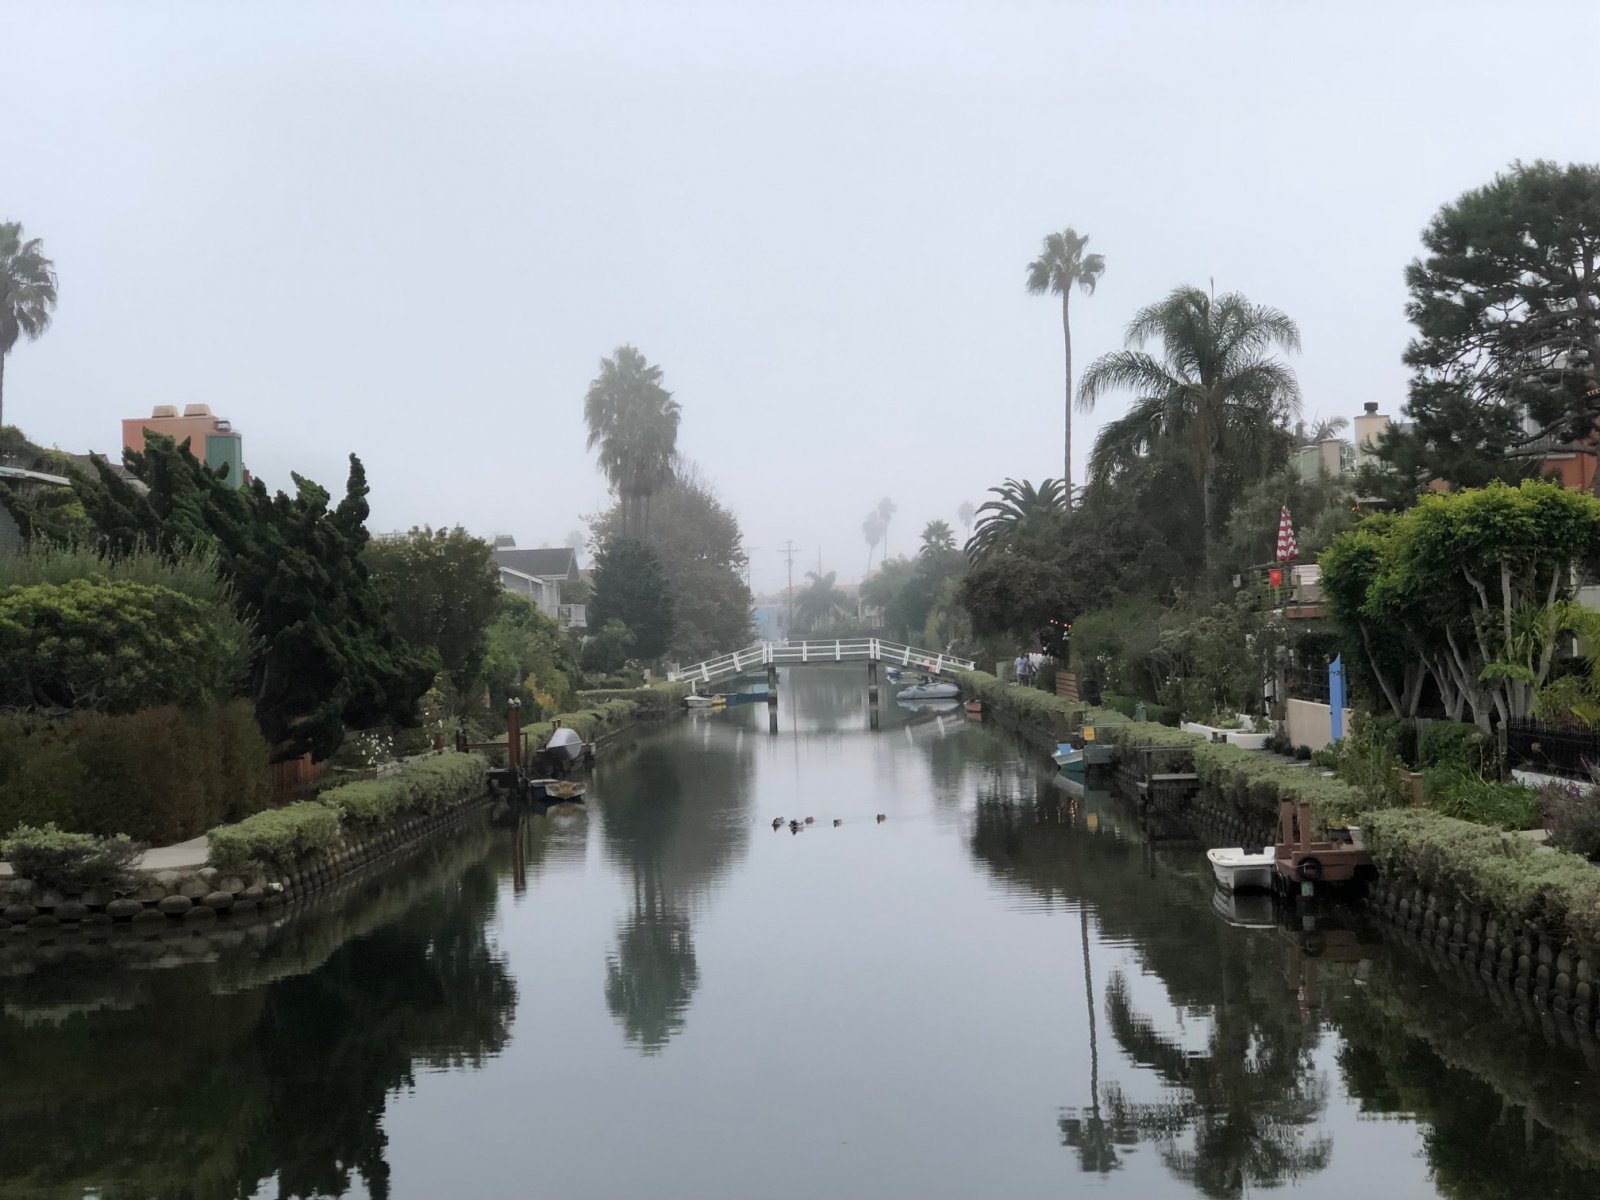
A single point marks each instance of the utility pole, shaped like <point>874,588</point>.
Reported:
<point>788,550</point>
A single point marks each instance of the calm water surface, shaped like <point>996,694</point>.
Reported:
<point>999,991</point>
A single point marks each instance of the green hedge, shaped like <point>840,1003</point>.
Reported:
<point>589,722</point>
<point>1027,705</point>
<point>1555,890</point>
<point>279,839</point>
<point>159,775</point>
<point>1159,713</point>
<point>655,701</point>
<point>429,785</point>
<point>283,838</point>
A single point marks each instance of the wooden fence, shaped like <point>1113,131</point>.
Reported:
<point>295,778</point>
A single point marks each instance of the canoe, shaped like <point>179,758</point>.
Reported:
<point>1238,869</point>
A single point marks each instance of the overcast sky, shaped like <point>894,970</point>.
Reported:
<point>411,231</point>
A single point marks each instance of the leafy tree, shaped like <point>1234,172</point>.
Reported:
<point>938,538</point>
<point>1213,389</point>
<point>115,645</point>
<point>1321,508</point>
<point>630,585</point>
<point>443,590</point>
<point>607,651</point>
<point>27,292</point>
<point>1506,304</point>
<point>701,548</point>
<point>1061,266</point>
<point>1015,594</point>
<point>818,603</point>
<point>1021,517</point>
<point>634,422</point>
<point>529,656</point>
<point>328,655</point>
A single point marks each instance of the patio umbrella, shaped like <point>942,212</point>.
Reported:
<point>1288,549</point>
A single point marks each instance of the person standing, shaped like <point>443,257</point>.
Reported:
<point>1025,669</point>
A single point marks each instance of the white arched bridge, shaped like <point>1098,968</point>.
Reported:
<point>836,650</point>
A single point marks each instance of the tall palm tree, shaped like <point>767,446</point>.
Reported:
<point>27,293</point>
<point>1213,388</point>
<point>1061,266</point>
<point>937,538</point>
<point>819,602</point>
<point>886,510</point>
<point>1021,513</point>
<point>965,513</point>
<point>872,529</point>
<point>634,422</point>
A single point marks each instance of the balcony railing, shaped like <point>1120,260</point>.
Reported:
<point>572,616</point>
<point>1295,589</point>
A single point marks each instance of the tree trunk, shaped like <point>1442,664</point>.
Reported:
<point>1066,338</point>
<point>1208,506</point>
<point>2,390</point>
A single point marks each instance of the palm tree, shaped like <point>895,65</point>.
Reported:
<point>634,421</point>
<point>820,602</point>
<point>937,538</point>
<point>27,293</point>
<point>886,510</point>
<point>872,529</point>
<point>965,513</point>
<point>1213,388</point>
<point>1022,513</point>
<point>1320,430</point>
<point>1060,267</point>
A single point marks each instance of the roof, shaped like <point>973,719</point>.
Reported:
<point>554,562</point>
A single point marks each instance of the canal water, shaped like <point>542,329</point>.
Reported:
<point>999,989</point>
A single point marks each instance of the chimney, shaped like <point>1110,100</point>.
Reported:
<point>1371,408</point>
<point>1369,425</point>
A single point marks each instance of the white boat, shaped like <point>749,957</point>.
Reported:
<point>930,691</point>
<point>1238,869</point>
<point>698,701</point>
<point>1068,757</point>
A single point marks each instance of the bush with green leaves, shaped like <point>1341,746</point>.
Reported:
<point>161,775</point>
<point>1458,792</point>
<point>1571,812</point>
<point>115,645</point>
<point>426,785</point>
<point>1454,744</point>
<point>655,701</point>
<point>280,839</point>
<point>1128,705</point>
<point>1029,706</point>
<point>71,863</point>
<point>1556,891</point>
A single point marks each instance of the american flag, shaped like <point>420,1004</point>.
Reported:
<point>1288,549</point>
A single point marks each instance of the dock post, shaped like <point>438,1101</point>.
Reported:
<point>772,697</point>
<point>872,693</point>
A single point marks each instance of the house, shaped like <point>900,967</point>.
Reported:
<point>539,575</point>
<point>212,440</point>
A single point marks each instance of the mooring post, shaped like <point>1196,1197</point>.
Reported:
<point>872,682</point>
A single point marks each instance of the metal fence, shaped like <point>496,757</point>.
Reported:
<point>1541,746</point>
<point>1307,683</point>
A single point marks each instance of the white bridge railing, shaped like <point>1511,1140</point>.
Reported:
<point>764,654</point>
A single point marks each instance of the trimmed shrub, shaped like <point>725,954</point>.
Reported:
<point>427,785</point>
<point>657,700</point>
<point>1302,753</point>
<point>71,863</point>
<point>1161,714</point>
<point>1030,706</point>
<point>279,839</point>
<point>159,775</point>
<point>1571,813</point>
<point>1557,891</point>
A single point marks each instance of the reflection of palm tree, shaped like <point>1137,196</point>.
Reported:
<point>1246,1102</point>
<point>820,602</point>
<point>1092,1136</point>
<point>653,975</point>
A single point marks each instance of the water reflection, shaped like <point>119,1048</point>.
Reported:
<point>191,1085</point>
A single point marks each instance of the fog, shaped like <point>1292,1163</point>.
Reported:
<point>411,231</point>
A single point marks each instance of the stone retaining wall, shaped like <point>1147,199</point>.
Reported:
<point>205,894</point>
<point>1554,973</point>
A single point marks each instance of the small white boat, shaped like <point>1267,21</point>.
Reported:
<point>1238,869</point>
<point>699,701</point>
<point>1068,757</point>
<point>930,691</point>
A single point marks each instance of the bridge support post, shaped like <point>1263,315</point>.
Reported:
<point>772,697</point>
<point>872,682</point>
